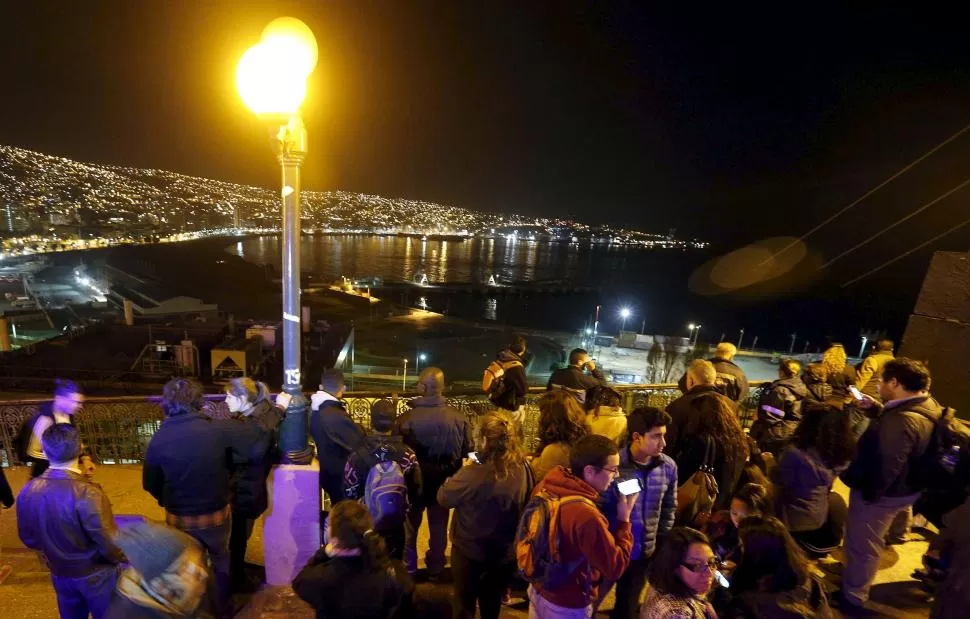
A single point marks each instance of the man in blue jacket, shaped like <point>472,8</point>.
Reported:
<point>642,458</point>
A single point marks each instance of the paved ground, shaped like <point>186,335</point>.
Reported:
<point>27,589</point>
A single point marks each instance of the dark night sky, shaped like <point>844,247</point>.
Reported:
<point>728,125</point>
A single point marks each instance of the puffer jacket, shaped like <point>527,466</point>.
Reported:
<point>69,520</point>
<point>653,515</point>
<point>802,483</point>
<point>441,437</point>
<point>247,483</point>
<point>608,421</point>
<point>808,600</point>
<point>891,446</point>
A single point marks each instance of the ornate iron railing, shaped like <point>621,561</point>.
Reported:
<point>117,429</point>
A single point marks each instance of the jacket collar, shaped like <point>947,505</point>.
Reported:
<point>701,389</point>
<point>62,474</point>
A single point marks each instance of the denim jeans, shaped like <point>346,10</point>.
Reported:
<point>77,597</point>
<point>480,582</point>
<point>216,542</point>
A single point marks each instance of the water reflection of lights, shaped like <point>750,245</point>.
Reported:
<point>491,309</point>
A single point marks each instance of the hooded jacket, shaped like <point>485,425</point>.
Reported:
<point>802,484</point>
<point>248,480</point>
<point>441,437</point>
<point>608,421</point>
<point>890,446</point>
<point>585,532</point>
<point>656,507</point>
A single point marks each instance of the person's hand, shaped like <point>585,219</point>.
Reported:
<point>590,365</point>
<point>866,402</point>
<point>727,567</point>
<point>624,507</point>
<point>317,399</point>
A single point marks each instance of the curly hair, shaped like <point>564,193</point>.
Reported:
<point>500,443</point>
<point>833,359</point>
<point>601,395</point>
<point>561,419</point>
<point>181,396</point>
<point>716,418</point>
<point>827,429</point>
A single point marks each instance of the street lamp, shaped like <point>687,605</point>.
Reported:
<point>417,361</point>
<point>271,79</point>
<point>695,329</point>
<point>624,314</point>
<point>404,377</point>
<point>740,337</point>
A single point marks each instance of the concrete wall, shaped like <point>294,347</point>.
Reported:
<point>938,331</point>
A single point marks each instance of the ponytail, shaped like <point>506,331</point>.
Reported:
<point>374,550</point>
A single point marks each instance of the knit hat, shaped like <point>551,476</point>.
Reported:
<point>151,548</point>
<point>382,415</point>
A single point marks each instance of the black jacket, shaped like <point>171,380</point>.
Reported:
<point>729,368</point>
<point>188,461</point>
<point>680,412</point>
<point>517,385</point>
<point>6,494</point>
<point>890,446</point>
<point>69,520</point>
<point>336,436</point>
<point>248,480</point>
<point>440,435</point>
<point>576,381</point>
<point>770,432</point>
<point>344,588</point>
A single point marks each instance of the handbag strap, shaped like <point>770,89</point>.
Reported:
<point>709,452</point>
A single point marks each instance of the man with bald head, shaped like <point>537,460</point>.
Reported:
<point>441,436</point>
<point>699,382</point>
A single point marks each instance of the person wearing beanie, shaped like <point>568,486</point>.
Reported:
<point>381,451</point>
<point>167,578</point>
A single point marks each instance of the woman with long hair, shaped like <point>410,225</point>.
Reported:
<point>249,404</point>
<point>681,577</point>
<point>353,577</point>
<point>562,422</point>
<point>839,374</point>
<point>773,579</point>
<point>822,448</point>
<point>604,413</point>
<point>748,500</point>
<point>488,497</point>
<point>713,423</point>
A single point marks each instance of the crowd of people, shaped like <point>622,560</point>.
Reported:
<point>680,511</point>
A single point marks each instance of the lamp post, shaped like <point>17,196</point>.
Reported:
<point>695,329</point>
<point>862,351</point>
<point>271,79</point>
<point>624,314</point>
<point>740,337</point>
<point>404,377</point>
<point>418,358</point>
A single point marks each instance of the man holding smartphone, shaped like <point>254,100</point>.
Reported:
<point>574,378</point>
<point>644,465</point>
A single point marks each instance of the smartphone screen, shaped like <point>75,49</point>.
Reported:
<point>473,456</point>
<point>628,487</point>
<point>855,392</point>
<point>721,580</point>
<point>283,400</point>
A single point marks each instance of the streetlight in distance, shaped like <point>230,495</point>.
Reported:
<point>695,329</point>
<point>404,377</point>
<point>271,79</point>
<point>417,361</point>
<point>624,314</point>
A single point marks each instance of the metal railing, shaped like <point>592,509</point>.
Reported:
<point>117,429</point>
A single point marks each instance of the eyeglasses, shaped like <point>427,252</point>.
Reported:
<point>612,470</point>
<point>712,564</point>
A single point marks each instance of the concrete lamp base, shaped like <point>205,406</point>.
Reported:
<point>291,529</point>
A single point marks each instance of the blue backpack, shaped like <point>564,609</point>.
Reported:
<point>386,493</point>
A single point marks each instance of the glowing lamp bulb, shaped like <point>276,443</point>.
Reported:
<point>625,313</point>
<point>271,76</point>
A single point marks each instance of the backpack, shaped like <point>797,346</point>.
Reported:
<point>386,493</point>
<point>493,381</point>
<point>24,435</point>
<point>946,462</point>
<point>537,550</point>
<point>727,385</point>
